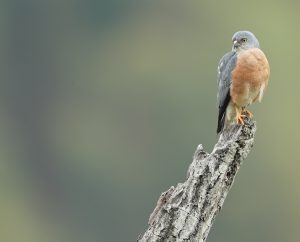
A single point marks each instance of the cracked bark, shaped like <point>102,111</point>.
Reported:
<point>186,212</point>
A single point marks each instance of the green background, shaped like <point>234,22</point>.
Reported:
<point>103,103</point>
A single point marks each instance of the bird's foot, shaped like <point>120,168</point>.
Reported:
<point>239,119</point>
<point>248,113</point>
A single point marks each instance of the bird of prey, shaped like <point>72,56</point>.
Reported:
<point>243,75</point>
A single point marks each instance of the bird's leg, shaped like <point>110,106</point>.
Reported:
<point>239,116</point>
<point>247,112</point>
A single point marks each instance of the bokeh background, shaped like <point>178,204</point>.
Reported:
<point>103,102</point>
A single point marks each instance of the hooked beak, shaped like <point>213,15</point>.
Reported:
<point>235,44</point>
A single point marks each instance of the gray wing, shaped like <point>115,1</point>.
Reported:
<point>225,68</point>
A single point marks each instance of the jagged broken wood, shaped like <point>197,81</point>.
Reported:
<point>186,212</point>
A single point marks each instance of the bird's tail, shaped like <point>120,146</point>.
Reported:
<point>221,123</point>
<point>222,113</point>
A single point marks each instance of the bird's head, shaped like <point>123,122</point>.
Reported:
<point>244,40</point>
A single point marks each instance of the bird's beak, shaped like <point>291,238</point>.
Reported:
<point>235,45</point>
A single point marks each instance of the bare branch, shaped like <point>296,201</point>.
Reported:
<point>187,212</point>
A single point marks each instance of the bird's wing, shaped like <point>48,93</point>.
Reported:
<point>225,68</point>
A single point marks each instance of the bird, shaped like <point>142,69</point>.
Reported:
<point>243,75</point>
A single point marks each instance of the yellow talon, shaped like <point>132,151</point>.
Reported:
<point>248,113</point>
<point>239,116</point>
<point>239,119</point>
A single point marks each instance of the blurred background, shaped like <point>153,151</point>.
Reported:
<point>103,103</point>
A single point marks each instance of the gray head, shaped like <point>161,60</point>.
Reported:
<point>244,40</point>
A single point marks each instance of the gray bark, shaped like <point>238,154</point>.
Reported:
<point>186,212</point>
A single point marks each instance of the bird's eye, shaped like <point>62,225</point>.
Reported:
<point>244,40</point>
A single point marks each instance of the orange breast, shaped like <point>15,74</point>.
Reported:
<point>251,72</point>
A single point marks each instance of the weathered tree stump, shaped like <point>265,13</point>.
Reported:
<point>186,212</point>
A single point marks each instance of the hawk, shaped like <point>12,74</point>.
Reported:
<point>243,75</point>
